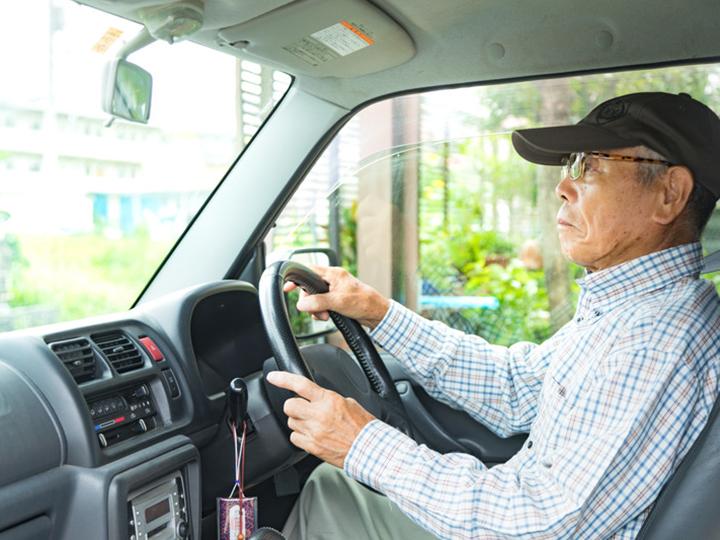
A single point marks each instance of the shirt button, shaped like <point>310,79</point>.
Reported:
<point>579,319</point>
<point>530,444</point>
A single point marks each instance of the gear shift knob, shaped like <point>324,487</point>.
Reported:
<point>237,401</point>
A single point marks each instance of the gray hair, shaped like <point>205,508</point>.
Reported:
<point>700,204</point>
<point>647,173</point>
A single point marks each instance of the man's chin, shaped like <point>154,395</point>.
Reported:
<point>572,254</point>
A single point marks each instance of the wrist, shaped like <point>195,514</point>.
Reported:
<point>381,305</point>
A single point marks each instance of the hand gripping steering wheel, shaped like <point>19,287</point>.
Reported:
<point>287,353</point>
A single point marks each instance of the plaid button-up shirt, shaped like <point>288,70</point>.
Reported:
<point>613,401</point>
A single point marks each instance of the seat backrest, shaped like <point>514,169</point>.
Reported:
<point>688,508</point>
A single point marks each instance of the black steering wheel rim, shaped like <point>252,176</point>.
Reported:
<point>287,352</point>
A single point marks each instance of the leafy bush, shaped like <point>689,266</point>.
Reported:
<point>484,264</point>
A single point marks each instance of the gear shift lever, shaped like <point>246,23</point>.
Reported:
<point>237,401</point>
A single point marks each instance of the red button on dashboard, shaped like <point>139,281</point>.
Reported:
<point>153,349</point>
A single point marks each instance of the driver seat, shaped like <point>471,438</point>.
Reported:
<point>687,505</point>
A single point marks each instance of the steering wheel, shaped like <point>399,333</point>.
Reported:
<point>287,354</point>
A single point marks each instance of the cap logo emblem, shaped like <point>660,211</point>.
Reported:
<point>612,111</point>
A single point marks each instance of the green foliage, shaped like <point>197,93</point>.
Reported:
<point>461,251</point>
<point>485,265</point>
<point>84,275</point>
<point>300,322</point>
<point>714,278</point>
<point>348,238</point>
<point>464,180</point>
<point>467,252</point>
<point>523,313</point>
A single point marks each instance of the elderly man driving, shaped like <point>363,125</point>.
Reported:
<point>612,402</point>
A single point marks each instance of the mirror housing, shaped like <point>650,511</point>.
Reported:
<point>127,91</point>
<point>315,255</point>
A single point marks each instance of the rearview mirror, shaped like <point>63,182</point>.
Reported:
<point>127,91</point>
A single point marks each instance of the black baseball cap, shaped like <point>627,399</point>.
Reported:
<point>685,131</point>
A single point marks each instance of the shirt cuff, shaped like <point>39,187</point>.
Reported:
<point>376,455</point>
<point>398,329</point>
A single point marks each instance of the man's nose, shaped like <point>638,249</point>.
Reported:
<point>565,189</point>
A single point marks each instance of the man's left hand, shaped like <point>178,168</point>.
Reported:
<point>323,422</point>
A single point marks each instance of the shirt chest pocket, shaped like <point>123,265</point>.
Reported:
<point>562,393</point>
<point>555,395</point>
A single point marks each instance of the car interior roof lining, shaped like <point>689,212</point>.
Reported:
<point>503,40</point>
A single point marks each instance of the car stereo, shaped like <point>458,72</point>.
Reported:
<point>124,414</point>
<point>159,511</point>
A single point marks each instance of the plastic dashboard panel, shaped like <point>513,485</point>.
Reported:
<point>55,479</point>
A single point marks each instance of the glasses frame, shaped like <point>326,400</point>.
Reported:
<point>578,159</point>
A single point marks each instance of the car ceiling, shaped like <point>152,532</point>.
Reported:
<point>457,41</point>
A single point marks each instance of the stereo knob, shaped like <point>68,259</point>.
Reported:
<point>182,529</point>
<point>141,392</point>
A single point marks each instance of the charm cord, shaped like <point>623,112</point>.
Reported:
<point>239,483</point>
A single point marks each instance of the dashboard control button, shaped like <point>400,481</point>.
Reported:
<point>171,382</point>
<point>152,348</point>
<point>103,440</point>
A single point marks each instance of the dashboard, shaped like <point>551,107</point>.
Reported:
<point>108,421</point>
<point>115,427</point>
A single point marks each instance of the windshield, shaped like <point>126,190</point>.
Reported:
<point>88,211</point>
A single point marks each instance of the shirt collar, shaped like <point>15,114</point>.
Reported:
<point>641,275</point>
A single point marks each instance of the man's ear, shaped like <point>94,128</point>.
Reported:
<point>675,190</point>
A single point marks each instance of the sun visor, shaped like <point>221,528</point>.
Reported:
<point>322,38</point>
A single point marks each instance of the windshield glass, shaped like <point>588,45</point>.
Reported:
<point>88,211</point>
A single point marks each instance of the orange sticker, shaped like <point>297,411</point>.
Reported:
<point>354,29</point>
<point>110,36</point>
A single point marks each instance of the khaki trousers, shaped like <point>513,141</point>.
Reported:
<point>333,506</point>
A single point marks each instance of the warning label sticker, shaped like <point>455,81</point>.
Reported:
<point>343,38</point>
<point>340,39</point>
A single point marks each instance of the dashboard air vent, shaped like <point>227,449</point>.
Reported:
<point>120,351</point>
<point>78,357</point>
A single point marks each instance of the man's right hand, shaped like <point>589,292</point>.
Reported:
<point>347,295</point>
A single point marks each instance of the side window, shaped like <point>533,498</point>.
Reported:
<point>424,197</point>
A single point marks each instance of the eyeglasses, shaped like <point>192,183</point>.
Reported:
<point>574,164</point>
